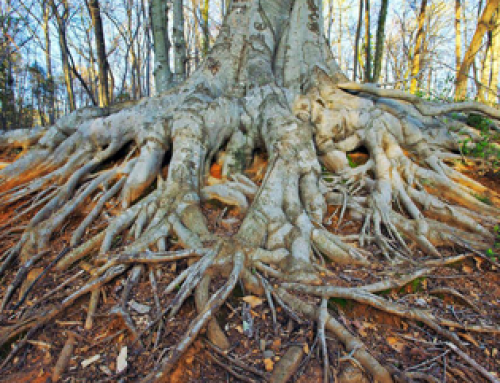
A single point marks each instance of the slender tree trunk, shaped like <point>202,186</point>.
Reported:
<point>138,60</point>
<point>330,19</point>
<point>7,96</point>
<point>48,62</point>
<point>458,33</point>
<point>159,21</point>
<point>147,31</point>
<point>368,56</point>
<point>415,63</point>
<point>339,39</point>
<point>483,25</point>
<point>197,39</point>
<point>356,40</point>
<point>93,79</point>
<point>61,26</point>
<point>379,45</point>
<point>179,41</point>
<point>205,26</point>
<point>482,91</point>
<point>100,43</point>
<point>494,91</point>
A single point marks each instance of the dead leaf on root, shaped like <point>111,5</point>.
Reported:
<point>253,301</point>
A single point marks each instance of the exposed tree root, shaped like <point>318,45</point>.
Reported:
<point>409,203</point>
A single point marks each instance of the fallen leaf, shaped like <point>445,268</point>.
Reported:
<point>306,348</point>
<point>89,361</point>
<point>216,171</point>
<point>362,330</point>
<point>479,263</point>
<point>269,364</point>
<point>467,269</point>
<point>121,361</point>
<point>253,301</point>
<point>395,343</point>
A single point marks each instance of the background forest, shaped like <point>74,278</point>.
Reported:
<point>57,56</point>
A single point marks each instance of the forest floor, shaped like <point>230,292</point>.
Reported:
<point>467,292</point>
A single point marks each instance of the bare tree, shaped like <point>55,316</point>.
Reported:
<point>356,44</point>
<point>159,22</point>
<point>379,45</point>
<point>483,25</point>
<point>417,53</point>
<point>62,19</point>
<point>179,41</point>
<point>95,13</point>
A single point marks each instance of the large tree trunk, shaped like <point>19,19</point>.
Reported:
<point>268,85</point>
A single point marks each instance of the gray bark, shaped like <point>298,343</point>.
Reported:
<point>179,41</point>
<point>159,22</point>
<point>379,45</point>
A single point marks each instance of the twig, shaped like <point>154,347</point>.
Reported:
<point>473,363</point>
<point>236,362</point>
<point>230,370</point>
<point>40,276</point>
<point>270,301</point>
<point>60,287</point>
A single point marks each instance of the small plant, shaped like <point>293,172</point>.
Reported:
<point>484,199</point>
<point>490,253</point>
<point>485,148</point>
<point>352,164</point>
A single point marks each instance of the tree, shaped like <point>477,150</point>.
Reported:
<point>205,25</point>
<point>417,53</point>
<point>379,45</point>
<point>483,25</point>
<point>179,41</point>
<point>269,84</point>
<point>494,88</point>
<point>356,44</point>
<point>62,19</point>
<point>159,22</point>
<point>102,62</point>
<point>458,33</point>
<point>48,61</point>
<point>368,55</point>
